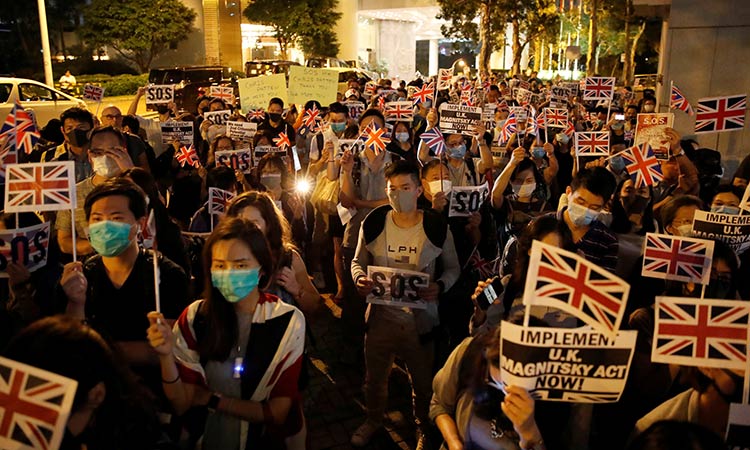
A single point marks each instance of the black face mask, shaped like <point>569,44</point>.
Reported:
<point>274,117</point>
<point>78,138</point>
<point>718,288</point>
<point>162,109</point>
<point>637,205</point>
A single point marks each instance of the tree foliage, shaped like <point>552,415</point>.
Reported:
<point>138,30</point>
<point>531,20</point>
<point>307,23</point>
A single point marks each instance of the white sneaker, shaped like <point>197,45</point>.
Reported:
<point>364,433</point>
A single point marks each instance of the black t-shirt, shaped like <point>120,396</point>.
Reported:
<point>121,313</point>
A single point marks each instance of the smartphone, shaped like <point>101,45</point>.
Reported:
<point>619,116</point>
<point>490,293</point>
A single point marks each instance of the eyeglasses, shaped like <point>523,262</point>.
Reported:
<point>112,116</point>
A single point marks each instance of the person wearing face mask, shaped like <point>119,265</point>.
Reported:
<point>76,125</point>
<point>112,117</point>
<point>726,200</point>
<point>403,237</point>
<point>108,157</point>
<point>114,290</point>
<point>166,113</point>
<point>402,142</point>
<point>337,118</point>
<point>238,351</point>
<point>274,124</point>
<point>463,167</point>
<point>648,104</point>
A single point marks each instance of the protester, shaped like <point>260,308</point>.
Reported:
<point>76,124</point>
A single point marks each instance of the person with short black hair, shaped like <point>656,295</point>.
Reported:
<point>76,124</point>
<point>221,177</point>
<point>274,123</point>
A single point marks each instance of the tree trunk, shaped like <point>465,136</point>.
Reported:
<point>628,42</point>
<point>62,42</point>
<point>631,57</point>
<point>485,37</point>
<point>537,54</point>
<point>593,43</point>
<point>517,49</point>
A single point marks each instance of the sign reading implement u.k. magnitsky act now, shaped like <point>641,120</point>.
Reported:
<point>577,365</point>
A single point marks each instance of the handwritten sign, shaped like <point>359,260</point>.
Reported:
<point>465,200</point>
<point>306,83</point>
<point>25,246</point>
<point>396,287</point>
<point>355,109</point>
<point>159,93</point>
<point>180,131</point>
<point>651,129</point>
<point>262,150</point>
<point>218,117</point>
<point>459,119</point>
<point>255,92</point>
<point>732,229</point>
<point>241,131</point>
<point>577,365</point>
<point>240,159</point>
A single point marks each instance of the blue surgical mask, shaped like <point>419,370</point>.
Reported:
<point>110,238</point>
<point>402,137</point>
<point>457,152</point>
<point>725,209</point>
<point>580,215</point>
<point>235,284</point>
<point>538,152</point>
<point>617,126</point>
<point>338,127</point>
<point>617,164</point>
<point>562,138</point>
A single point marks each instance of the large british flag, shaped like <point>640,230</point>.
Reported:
<point>40,187</point>
<point>592,143</point>
<point>566,281</point>
<point>218,200</point>
<point>642,165</point>
<point>721,114</point>
<point>19,129</point>
<point>34,406</point>
<point>677,258</point>
<point>433,138</point>
<point>701,332</point>
<point>599,88</point>
<point>375,138</point>
<point>678,101</point>
<point>25,246</point>
<point>187,155</point>
<point>555,117</point>
<point>399,111</point>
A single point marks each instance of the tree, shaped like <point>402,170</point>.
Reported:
<point>138,30</point>
<point>591,59</point>
<point>531,19</point>
<point>311,24</point>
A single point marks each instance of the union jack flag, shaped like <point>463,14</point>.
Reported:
<point>34,406</point>
<point>93,93</point>
<point>599,88</point>
<point>523,84</point>
<point>535,124</point>
<point>502,105</point>
<point>381,102</point>
<point>678,101</point>
<point>721,114</point>
<point>509,128</point>
<point>256,114</point>
<point>566,281</point>
<point>642,165</point>
<point>570,129</point>
<point>147,238</point>
<point>225,93</point>
<point>399,111</point>
<point>40,187</point>
<point>375,139</point>
<point>218,200</point>
<point>485,269</point>
<point>370,87</point>
<point>19,127</point>
<point>26,246</point>
<point>310,121</point>
<point>187,155</point>
<point>8,154</point>
<point>677,258</point>
<point>282,141</point>
<point>433,138</point>
<point>592,143</point>
<point>425,93</point>
<point>444,79</point>
<point>701,332</point>
<point>556,117</point>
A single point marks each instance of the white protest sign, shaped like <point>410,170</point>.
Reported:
<point>262,150</point>
<point>181,131</point>
<point>651,129</point>
<point>345,214</point>
<point>241,131</point>
<point>240,159</point>
<point>457,119</point>
<point>159,93</point>
<point>26,246</point>
<point>307,83</point>
<point>520,112</point>
<point>355,109</point>
<point>488,115</point>
<point>355,146</point>
<point>560,94</point>
<point>218,117</point>
<point>577,365</point>
<point>465,200</point>
<point>396,287</point>
<point>732,229</point>
<point>738,427</point>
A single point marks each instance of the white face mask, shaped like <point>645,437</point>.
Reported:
<point>524,190</point>
<point>648,108</point>
<point>435,186</point>
<point>580,215</point>
<point>105,166</point>
<point>684,230</point>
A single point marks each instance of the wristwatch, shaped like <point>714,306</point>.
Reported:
<point>213,402</point>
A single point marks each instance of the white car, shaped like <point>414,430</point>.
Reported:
<point>44,102</point>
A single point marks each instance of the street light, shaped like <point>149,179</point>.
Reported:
<point>461,63</point>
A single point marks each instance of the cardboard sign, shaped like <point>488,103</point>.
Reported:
<point>396,287</point>
<point>731,229</point>
<point>488,115</point>
<point>255,92</point>
<point>240,159</point>
<point>306,83</point>
<point>262,150</point>
<point>572,87</point>
<point>568,365</point>
<point>456,119</point>
<point>180,131</point>
<point>738,427</point>
<point>26,246</point>
<point>521,113</point>
<point>651,128</point>
<point>159,93</point>
<point>355,109</point>
<point>465,200</point>
<point>560,94</point>
<point>355,146</point>
<point>241,131</point>
<point>218,117</point>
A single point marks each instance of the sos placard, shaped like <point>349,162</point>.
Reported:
<point>159,93</point>
<point>465,200</point>
<point>240,159</point>
<point>262,150</point>
<point>218,117</point>
<point>26,246</point>
<point>396,287</point>
<point>355,146</point>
